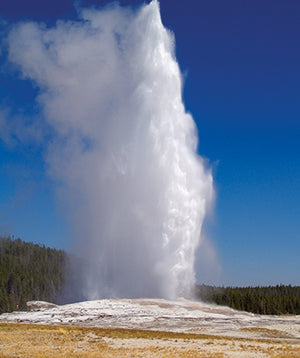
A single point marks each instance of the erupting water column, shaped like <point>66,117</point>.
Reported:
<point>123,148</point>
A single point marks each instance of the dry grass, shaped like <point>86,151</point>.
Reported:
<point>38,341</point>
<point>267,333</point>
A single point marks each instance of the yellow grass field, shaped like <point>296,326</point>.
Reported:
<point>39,341</point>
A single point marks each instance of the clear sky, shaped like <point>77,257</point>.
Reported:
<point>240,61</point>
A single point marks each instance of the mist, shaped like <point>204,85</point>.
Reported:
<point>122,150</point>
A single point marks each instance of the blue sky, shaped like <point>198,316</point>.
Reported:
<point>240,61</point>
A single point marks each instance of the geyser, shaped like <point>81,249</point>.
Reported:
<point>122,148</point>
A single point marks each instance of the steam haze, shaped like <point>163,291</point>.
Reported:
<point>122,149</point>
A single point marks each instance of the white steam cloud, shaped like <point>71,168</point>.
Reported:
<point>123,149</point>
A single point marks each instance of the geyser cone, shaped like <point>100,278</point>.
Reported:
<point>123,148</point>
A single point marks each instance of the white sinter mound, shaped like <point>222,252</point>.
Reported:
<point>158,314</point>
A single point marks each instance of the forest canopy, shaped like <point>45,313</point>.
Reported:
<point>29,272</point>
<point>280,299</point>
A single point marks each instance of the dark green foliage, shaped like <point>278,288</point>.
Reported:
<point>29,272</point>
<point>278,299</point>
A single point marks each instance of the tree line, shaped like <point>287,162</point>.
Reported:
<point>280,299</point>
<point>29,272</point>
<point>32,272</point>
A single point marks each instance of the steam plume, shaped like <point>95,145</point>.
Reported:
<point>123,149</point>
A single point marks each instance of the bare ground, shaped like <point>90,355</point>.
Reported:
<point>146,328</point>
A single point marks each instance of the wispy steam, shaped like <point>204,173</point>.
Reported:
<point>123,151</point>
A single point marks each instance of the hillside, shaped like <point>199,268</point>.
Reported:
<point>28,272</point>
